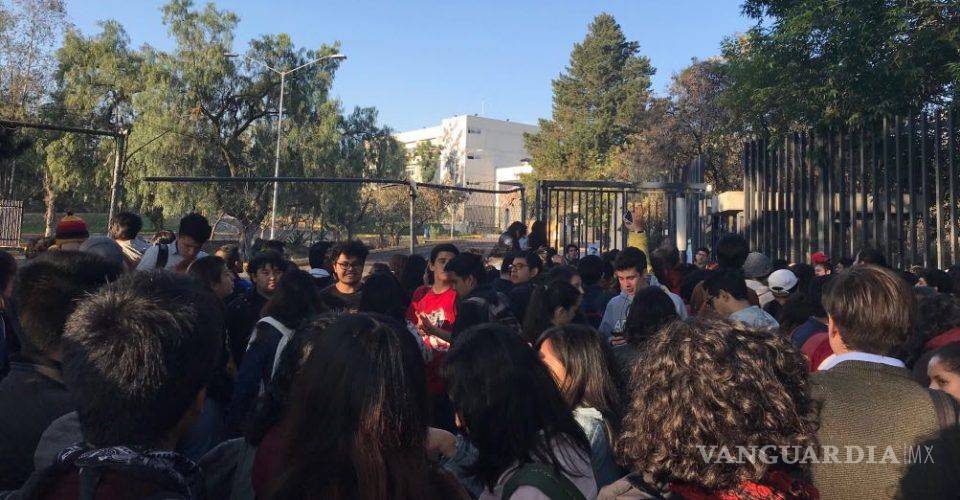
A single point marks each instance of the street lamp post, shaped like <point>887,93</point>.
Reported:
<point>276,165</point>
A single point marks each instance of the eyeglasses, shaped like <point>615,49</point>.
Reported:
<point>350,265</point>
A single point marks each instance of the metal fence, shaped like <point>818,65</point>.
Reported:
<point>890,185</point>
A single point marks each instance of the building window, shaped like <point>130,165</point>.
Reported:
<point>473,130</point>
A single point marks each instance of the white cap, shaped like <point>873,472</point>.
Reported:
<point>782,281</point>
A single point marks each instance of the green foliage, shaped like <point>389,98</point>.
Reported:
<point>598,103</point>
<point>427,156</point>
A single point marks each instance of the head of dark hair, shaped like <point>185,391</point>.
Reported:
<point>380,268</point>
<point>208,270</point>
<point>872,256</point>
<point>382,294</point>
<point>669,256</point>
<point>568,246</point>
<point>8,269</point>
<point>804,273</point>
<point>727,280</point>
<point>533,260</point>
<point>872,308</point>
<point>230,253</point>
<point>704,250</point>
<point>264,259</point>
<point>631,258</point>
<point>543,302</point>
<point>690,282</point>
<point>164,237</point>
<point>411,277</point>
<point>949,357</point>
<point>814,295</point>
<point>467,264</point>
<point>779,264</point>
<point>354,249</point>
<point>296,299</point>
<point>274,245</point>
<point>125,226</point>
<point>517,229</point>
<point>49,288</point>
<point>508,404</point>
<point>506,263</point>
<point>318,253</point>
<point>937,313</point>
<point>732,251</point>
<point>562,273</point>
<point>364,383</point>
<point>195,226</point>
<point>937,279</point>
<point>397,262</point>
<point>590,371</point>
<point>650,310</point>
<point>538,235</point>
<point>137,353</point>
<point>591,269</point>
<point>678,399</point>
<point>443,247</point>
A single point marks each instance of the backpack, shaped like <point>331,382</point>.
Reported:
<point>163,255</point>
<point>545,478</point>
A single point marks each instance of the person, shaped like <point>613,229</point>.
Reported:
<point>871,256</point>
<point>271,245</point>
<point>728,296</point>
<point>555,304</point>
<point>491,371</point>
<point>650,311</point>
<point>538,236</point>
<point>842,264</point>
<point>137,356</point>
<point>731,253</point>
<point>943,370</point>
<point>69,233</point>
<point>397,262</point>
<point>595,297</point>
<point>509,240</point>
<point>502,283</point>
<point>682,413</point>
<point>296,301</point>
<point>9,338</point>
<point>665,262</point>
<point>434,306</point>
<point>33,394</point>
<point>193,232</point>
<point>125,229</point>
<point>387,298</point>
<point>782,283</point>
<point>938,325</point>
<point>571,254</point>
<point>581,363</point>
<point>821,264</point>
<point>701,259</point>
<point>364,385</point>
<point>319,266</point>
<point>213,273</point>
<point>163,237</point>
<point>105,247</point>
<point>630,269</point>
<point>816,323</point>
<point>349,258</point>
<point>477,301</point>
<point>230,253</point>
<point>936,279</point>
<point>524,270</point>
<point>243,312</point>
<point>412,276</point>
<point>756,269</point>
<point>868,397</point>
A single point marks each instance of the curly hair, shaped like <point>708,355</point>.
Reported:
<point>711,383</point>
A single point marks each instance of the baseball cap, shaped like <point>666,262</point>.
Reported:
<point>819,258</point>
<point>782,281</point>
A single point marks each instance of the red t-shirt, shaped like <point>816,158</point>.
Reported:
<point>441,308</point>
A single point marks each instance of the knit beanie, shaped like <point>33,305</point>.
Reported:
<point>71,228</point>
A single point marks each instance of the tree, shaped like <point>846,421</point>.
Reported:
<point>426,155</point>
<point>812,63</point>
<point>598,103</point>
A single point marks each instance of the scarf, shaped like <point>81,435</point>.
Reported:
<point>167,469</point>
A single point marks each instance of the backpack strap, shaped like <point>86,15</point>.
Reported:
<point>946,409</point>
<point>163,255</point>
<point>545,478</point>
<point>89,479</point>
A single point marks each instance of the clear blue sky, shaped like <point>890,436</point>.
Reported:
<point>419,61</point>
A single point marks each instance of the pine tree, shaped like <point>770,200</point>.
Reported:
<point>598,103</point>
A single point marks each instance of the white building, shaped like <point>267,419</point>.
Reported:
<point>476,152</point>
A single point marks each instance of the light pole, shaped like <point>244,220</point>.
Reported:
<point>283,79</point>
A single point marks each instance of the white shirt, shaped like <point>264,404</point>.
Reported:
<point>836,359</point>
<point>149,259</point>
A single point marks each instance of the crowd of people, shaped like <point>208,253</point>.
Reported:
<point>156,370</point>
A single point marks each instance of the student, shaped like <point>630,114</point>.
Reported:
<point>125,230</point>
<point>582,365</point>
<point>701,259</point>
<point>213,274</point>
<point>193,232</point>
<point>731,254</point>
<point>524,270</point>
<point>69,233</point>
<point>553,305</point>
<point>295,302</point>
<point>782,283</point>
<point>348,258</point>
<point>728,296</point>
<point>571,254</point>
<point>595,297</point>
<point>665,262</point>
<point>33,394</point>
<point>363,384</point>
<point>230,254</point>
<point>944,370</point>
<point>867,396</point>
<point>243,312</point>
<point>477,302</point>
<point>503,284</point>
<point>509,241</point>
<point>319,266</point>
<point>434,306</point>
<point>678,405</point>
<point>412,275</point>
<point>492,371</point>
<point>538,236</point>
<point>631,272</point>
<point>756,269</point>
<point>650,311</point>
<point>137,356</point>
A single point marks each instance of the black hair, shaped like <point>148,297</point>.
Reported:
<point>195,226</point>
<point>937,279</point>
<point>779,264</point>
<point>814,295</point>
<point>732,251</point>
<point>805,274</point>
<point>631,258</point>
<point>207,270</point>
<point>562,273</point>
<point>703,249</point>
<point>650,311</point>
<point>508,404</point>
<point>949,356</point>
<point>318,253</point>
<point>48,290</point>
<point>137,353</point>
<point>383,294</point>
<point>125,226</point>
<point>727,280</point>
<point>264,259</point>
<point>8,269</point>
<point>507,263</point>
<point>468,264</point>
<point>517,229</point>
<point>870,255</point>
<point>412,276</point>
<point>443,247</point>
<point>543,302</point>
<point>231,255</point>
<point>295,300</point>
<point>568,246</point>
<point>533,260</point>
<point>164,237</point>
<point>538,235</point>
<point>591,269</point>
<point>275,245</point>
<point>353,248</point>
